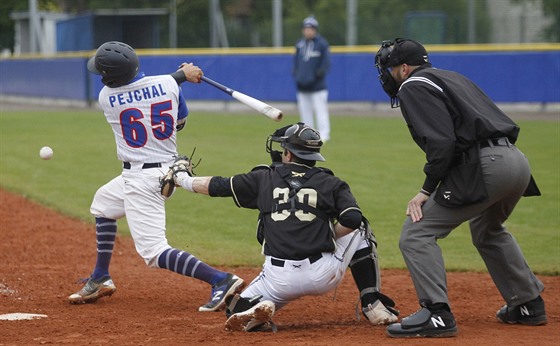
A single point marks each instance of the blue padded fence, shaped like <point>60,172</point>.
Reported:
<point>510,77</point>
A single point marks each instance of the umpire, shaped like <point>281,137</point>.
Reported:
<point>474,172</point>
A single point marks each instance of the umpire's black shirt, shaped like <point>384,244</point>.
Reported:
<point>446,114</point>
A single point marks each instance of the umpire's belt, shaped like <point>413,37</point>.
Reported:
<point>127,165</point>
<point>495,142</point>
<point>280,263</point>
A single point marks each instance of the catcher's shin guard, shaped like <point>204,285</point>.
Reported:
<point>365,265</point>
<point>367,275</point>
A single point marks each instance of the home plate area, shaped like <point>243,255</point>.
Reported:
<point>20,316</point>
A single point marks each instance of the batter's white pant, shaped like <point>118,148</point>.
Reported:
<point>297,279</point>
<point>136,194</point>
<point>314,105</point>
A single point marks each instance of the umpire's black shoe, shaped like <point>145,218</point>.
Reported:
<point>425,323</point>
<point>531,313</point>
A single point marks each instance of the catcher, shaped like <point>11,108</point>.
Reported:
<point>306,251</point>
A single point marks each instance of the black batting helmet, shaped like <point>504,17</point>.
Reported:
<point>116,62</point>
<point>303,141</point>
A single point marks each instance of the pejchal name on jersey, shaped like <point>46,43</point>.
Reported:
<point>146,93</point>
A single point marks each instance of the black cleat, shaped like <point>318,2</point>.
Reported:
<point>531,313</point>
<point>425,324</point>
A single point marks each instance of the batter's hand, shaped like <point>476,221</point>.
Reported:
<point>192,73</point>
<point>414,208</point>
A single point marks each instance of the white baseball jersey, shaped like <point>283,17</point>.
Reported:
<point>143,116</point>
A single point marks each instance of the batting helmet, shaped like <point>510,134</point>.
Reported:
<point>116,62</point>
<point>303,141</point>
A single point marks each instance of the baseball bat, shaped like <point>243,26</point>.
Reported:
<point>261,107</point>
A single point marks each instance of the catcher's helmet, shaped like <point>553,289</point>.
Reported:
<point>303,141</point>
<point>116,62</point>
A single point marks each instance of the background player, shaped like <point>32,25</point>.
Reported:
<point>474,173</point>
<point>311,65</point>
<point>306,253</point>
<point>145,114</point>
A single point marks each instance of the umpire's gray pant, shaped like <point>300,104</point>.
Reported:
<point>506,175</point>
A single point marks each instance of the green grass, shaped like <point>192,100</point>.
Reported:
<point>376,156</point>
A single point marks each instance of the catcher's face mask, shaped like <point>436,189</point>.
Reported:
<point>387,81</point>
<point>276,137</point>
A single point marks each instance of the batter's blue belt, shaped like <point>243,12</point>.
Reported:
<point>496,142</point>
<point>126,165</point>
<point>280,263</point>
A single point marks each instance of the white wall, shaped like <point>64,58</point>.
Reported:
<point>515,23</point>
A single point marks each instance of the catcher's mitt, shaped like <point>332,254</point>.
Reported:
<point>167,182</point>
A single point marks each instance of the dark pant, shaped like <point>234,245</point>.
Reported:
<point>506,174</point>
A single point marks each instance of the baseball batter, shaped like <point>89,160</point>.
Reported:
<point>145,114</point>
<point>306,253</point>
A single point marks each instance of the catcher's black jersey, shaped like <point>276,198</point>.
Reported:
<point>294,233</point>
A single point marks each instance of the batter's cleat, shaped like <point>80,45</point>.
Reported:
<point>252,319</point>
<point>378,314</point>
<point>93,290</point>
<point>531,313</point>
<point>425,323</point>
<point>231,285</point>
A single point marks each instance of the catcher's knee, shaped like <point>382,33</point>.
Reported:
<point>362,255</point>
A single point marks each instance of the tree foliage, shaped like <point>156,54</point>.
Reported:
<point>248,23</point>
<point>551,9</point>
<point>6,24</point>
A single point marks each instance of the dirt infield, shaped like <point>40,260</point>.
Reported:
<point>42,254</point>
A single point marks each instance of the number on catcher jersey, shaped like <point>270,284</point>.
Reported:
<point>305,196</point>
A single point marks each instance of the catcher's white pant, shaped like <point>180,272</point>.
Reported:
<point>135,194</point>
<point>296,279</point>
<point>315,104</point>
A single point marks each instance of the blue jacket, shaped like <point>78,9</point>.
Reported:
<point>311,64</point>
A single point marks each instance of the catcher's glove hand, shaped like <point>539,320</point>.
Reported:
<point>167,183</point>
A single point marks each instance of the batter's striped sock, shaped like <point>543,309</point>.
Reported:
<point>186,264</point>
<point>105,232</point>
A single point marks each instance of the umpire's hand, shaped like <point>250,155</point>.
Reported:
<point>414,208</point>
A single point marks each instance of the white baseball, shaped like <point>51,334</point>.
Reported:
<point>46,153</point>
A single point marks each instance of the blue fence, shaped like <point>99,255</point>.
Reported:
<point>512,76</point>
